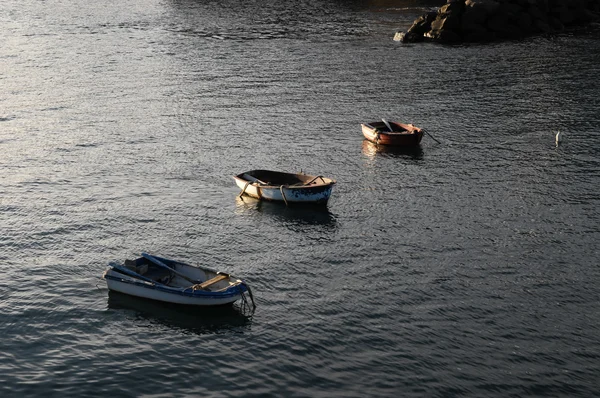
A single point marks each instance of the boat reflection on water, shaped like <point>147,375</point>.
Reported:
<point>191,318</point>
<point>371,150</point>
<point>305,214</point>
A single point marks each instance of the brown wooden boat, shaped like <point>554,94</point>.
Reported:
<point>392,133</point>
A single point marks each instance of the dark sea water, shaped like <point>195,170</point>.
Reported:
<point>467,268</point>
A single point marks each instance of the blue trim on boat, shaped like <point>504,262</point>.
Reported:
<point>188,292</point>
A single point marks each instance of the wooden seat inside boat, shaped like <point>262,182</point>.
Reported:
<point>204,285</point>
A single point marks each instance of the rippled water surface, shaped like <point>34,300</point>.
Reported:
<point>468,267</point>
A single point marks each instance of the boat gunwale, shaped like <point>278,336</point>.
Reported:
<point>232,290</point>
<point>379,134</point>
<point>324,183</point>
<point>408,129</point>
<point>200,267</point>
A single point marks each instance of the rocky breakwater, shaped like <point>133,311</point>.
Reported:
<point>467,21</point>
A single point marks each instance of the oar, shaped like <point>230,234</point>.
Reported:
<point>248,177</point>
<point>161,264</point>
<point>133,274</point>
<point>249,180</point>
<point>427,132</point>
<point>387,124</point>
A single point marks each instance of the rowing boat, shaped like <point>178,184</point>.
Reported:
<point>285,187</point>
<point>392,133</point>
<point>171,281</point>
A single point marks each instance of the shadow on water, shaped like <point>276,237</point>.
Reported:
<point>304,215</point>
<point>371,150</point>
<point>190,318</point>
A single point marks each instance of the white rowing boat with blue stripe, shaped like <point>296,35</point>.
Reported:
<point>171,281</point>
<point>285,187</point>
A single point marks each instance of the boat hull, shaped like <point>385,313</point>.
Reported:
<point>316,192</point>
<point>402,134</point>
<point>175,282</point>
<point>132,287</point>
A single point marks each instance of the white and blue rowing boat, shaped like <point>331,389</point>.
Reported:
<point>175,282</point>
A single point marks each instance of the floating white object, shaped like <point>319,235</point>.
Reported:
<point>558,138</point>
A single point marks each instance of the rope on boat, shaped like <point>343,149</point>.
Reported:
<point>244,190</point>
<point>244,299</point>
<point>429,134</point>
<point>377,136</point>
<point>283,195</point>
<point>251,295</point>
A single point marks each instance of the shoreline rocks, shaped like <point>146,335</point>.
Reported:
<point>481,21</point>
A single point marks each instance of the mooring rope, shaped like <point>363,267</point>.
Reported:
<point>243,296</point>
<point>245,303</point>
<point>250,294</point>
<point>283,195</point>
<point>377,137</point>
<point>244,190</point>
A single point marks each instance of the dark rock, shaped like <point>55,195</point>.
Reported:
<point>409,37</point>
<point>510,9</point>
<point>542,5</point>
<point>555,24</point>
<point>487,20</point>
<point>504,28</point>
<point>557,3</point>
<point>497,22</point>
<point>444,36</point>
<point>477,34</point>
<point>489,7</point>
<point>585,16</point>
<point>455,7</point>
<point>525,22</point>
<point>446,22</point>
<point>564,14</point>
<point>423,23</point>
<point>542,26</point>
<point>537,13</point>
<point>474,16</point>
